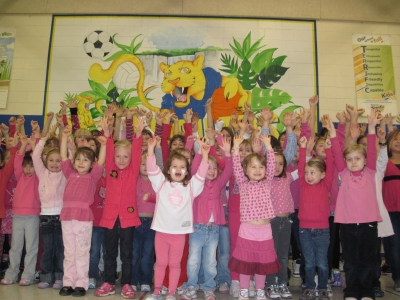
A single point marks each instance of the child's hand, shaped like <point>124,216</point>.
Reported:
<point>67,132</point>
<point>373,118</point>
<point>266,114</point>
<point>24,140</point>
<point>104,126</point>
<point>32,140</point>
<point>151,144</point>
<point>209,103</point>
<point>341,117</point>
<point>303,142</point>
<point>12,142</point>
<point>242,125</point>
<point>167,116</point>
<point>266,139</point>
<point>119,111</point>
<point>72,103</point>
<point>140,126</point>
<point>363,128</point>
<point>249,129</point>
<point>4,129</point>
<point>188,116</point>
<point>70,144</point>
<point>45,138</point>
<point>250,117</point>
<point>237,140</point>
<point>310,145</point>
<point>35,126</point>
<point>102,140</point>
<point>313,101</point>
<point>210,134</point>
<point>175,118</point>
<point>12,121</point>
<point>246,107</point>
<point>226,146</point>
<point>328,144</point>
<point>158,142</point>
<point>354,131</point>
<point>59,118</point>
<point>257,132</point>
<point>381,135</point>
<point>160,117</point>
<point>256,145</point>
<point>205,149</point>
<point>305,115</point>
<point>131,112</point>
<point>233,122</point>
<point>63,107</point>
<point>21,120</point>
<point>149,116</point>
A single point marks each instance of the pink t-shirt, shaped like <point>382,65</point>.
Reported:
<point>281,197</point>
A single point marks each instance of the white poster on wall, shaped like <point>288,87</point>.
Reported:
<point>7,39</point>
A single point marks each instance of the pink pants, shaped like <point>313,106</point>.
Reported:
<point>169,250</point>
<point>233,225</point>
<point>77,237</point>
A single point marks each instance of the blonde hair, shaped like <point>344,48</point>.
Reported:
<point>215,161</point>
<point>82,132</point>
<point>355,147</point>
<point>123,144</point>
<point>390,138</point>
<point>317,163</point>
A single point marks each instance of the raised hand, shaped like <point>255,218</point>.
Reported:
<point>24,140</point>
<point>188,115</point>
<point>119,111</point>
<point>168,115</point>
<point>303,142</point>
<point>355,131</point>
<point>160,117</point>
<point>12,121</point>
<point>226,146</point>
<point>256,145</point>
<point>72,103</point>
<point>310,144</point>
<point>266,139</point>
<point>381,135</point>
<point>158,141</point>
<point>67,132</point>
<point>266,114</point>
<point>234,121</point>
<point>237,140</point>
<point>102,140</point>
<point>140,126</point>
<point>341,116</point>
<point>131,112</point>
<point>63,107</point>
<point>313,101</point>
<point>209,103</point>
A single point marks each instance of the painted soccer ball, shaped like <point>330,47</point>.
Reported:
<point>98,44</point>
<point>126,76</point>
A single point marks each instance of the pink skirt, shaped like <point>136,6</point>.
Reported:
<point>254,252</point>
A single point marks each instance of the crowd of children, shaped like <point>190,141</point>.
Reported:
<point>201,214</point>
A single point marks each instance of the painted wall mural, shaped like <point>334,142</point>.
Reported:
<point>178,63</point>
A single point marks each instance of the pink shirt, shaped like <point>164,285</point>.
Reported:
<point>209,202</point>
<point>281,197</point>
<point>79,192</point>
<point>144,187</point>
<point>255,196</point>
<point>99,200</point>
<point>26,197</point>
<point>391,187</point>
<point>357,201</point>
<point>51,185</point>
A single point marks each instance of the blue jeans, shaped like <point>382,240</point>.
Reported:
<point>314,245</point>
<point>143,253</point>
<point>95,251</point>
<point>224,248</point>
<point>203,244</point>
<point>391,245</point>
<point>53,249</point>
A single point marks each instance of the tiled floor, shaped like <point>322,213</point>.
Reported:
<point>15,292</point>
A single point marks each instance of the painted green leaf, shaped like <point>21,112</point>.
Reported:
<point>246,45</point>
<point>247,77</point>
<point>95,113</point>
<point>132,45</point>
<point>262,59</point>
<point>237,52</point>
<point>126,92</point>
<point>267,77</point>
<point>289,109</point>
<point>272,98</point>
<point>277,61</point>
<point>253,49</point>
<point>116,55</point>
<point>230,64</point>
<point>137,47</point>
<point>98,88</point>
<point>111,85</point>
<point>132,102</point>
<point>121,46</point>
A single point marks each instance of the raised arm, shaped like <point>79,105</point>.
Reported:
<point>271,166</point>
<point>64,140</point>
<point>373,119</point>
<point>237,166</point>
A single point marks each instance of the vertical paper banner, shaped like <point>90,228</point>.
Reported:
<point>7,39</point>
<point>373,71</point>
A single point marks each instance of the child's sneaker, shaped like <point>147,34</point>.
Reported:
<point>189,293</point>
<point>6,281</point>
<point>284,291</point>
<point>209,295</point>
<point>244,294</point>
<point>273,292</point>
<point>58,284</point>
<point>378,292</point>
<point>170,297</point>
<point>223,288</point>
<point>234,289</point>
<point>92,283</point>
<point>329,290</point>
<point>145,288</point>
<point>308,295</point>
<point>155,297</point>
<point>37,275</point>
<point>180,290</point>
<point>296,268</point>
<point>43,285</point>
<point>128,292</point>
<point>260,295</point>
<point>24,282</point>
<point>337,280</point>
<point>164,290</point>
<point>322,294</point>
<point>105,289</point>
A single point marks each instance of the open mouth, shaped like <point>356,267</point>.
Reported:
<point>181,94</point>
<point>178,174</point>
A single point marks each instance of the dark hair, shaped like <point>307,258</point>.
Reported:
<point>95,133</point>
<point>360,138</point>
<point>323,132</point>
<point>283,174</point>
<point>27,159</point>
<point>261,159</point>
<point>53,142</point>
<point>86,152</point>
<point>176,137</point>
<point>281,134</point>
<point>275,143</point>
<point>2,154</point>
<point>91,138</point>
<point>178,156</point>
<point>147,132</point>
